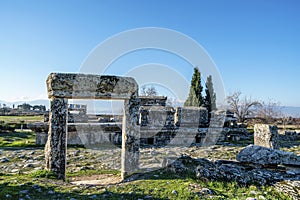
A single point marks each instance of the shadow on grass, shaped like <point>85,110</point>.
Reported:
<point>36,191</point>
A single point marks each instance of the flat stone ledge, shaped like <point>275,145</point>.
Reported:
<point>90,86</point>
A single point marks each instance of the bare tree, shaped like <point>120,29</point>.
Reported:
<point>150,91</point>
<point>243,107</point>
<point>268,111</point>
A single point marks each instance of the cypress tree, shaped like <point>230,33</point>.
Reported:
<point>210,95</point>
<point>195,96</point>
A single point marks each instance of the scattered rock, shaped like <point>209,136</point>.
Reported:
<point>206,191</point>
<point>51,192</point>
<point>28,165</point>
<point>261,197</point>
<point>174,192</point>
<point>253,192</point>
<point>93,196</point>
<point>4,160</point>
<point>24,192</point>
<point>76,153</point>
<point>37,188</point>
<point>251,198</point>
<point>14,170</point>
<point>266,156</point>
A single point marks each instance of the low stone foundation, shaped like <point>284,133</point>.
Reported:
<point>96,134</point>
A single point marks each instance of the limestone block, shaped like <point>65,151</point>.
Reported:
<point>215,128</point>
<point>191,116</point>
<point>88,86</point>
<point>157,117</point>
<point>266,136</point>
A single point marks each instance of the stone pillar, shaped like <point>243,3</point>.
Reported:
<point>130,137</point>
<point>266,136</point>
<point>56,146</point>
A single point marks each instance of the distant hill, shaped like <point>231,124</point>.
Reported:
<point>291,111</point>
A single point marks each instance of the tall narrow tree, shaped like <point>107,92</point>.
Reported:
<point>195,96</point>
<point>210,95</point>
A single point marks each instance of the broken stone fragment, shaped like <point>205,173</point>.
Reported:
<point>267,156</point>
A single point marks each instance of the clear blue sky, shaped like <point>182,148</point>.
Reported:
<point>255,44</point>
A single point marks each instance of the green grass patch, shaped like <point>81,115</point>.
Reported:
<point>21,119</point>
<point>17,139</point>
<point>92,172</point>
<point>159,185</point>
<point>43,174</point>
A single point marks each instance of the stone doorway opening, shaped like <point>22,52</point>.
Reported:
<point>97,128</point>
<point>101,125</point>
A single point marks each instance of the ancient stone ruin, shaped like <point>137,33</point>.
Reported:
<point>146,121</point>
<point>266,136</point>
<point>62,87</point>
<point>160,125</point>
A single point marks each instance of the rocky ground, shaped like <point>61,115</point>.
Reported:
<point>91,170</point>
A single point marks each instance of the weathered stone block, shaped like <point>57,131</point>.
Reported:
<point>88,86</point>
<point>56,146</point>
<point>215,128</point>
<point>41,138</point>
<point>130,138</point>
<point>157,117</point>
<point>266,136</point>
<point>191,117</point>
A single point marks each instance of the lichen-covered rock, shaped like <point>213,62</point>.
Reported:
<point>267,156</point>
<point>266,136</point>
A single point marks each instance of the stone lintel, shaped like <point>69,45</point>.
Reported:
<point>90,86</point>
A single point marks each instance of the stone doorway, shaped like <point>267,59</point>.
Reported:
<point>62,87</point>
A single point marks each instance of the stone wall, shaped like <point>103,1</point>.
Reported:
<point>191,117</point>
<point>157,128</point>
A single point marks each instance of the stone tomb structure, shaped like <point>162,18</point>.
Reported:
<point>62,87</point>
